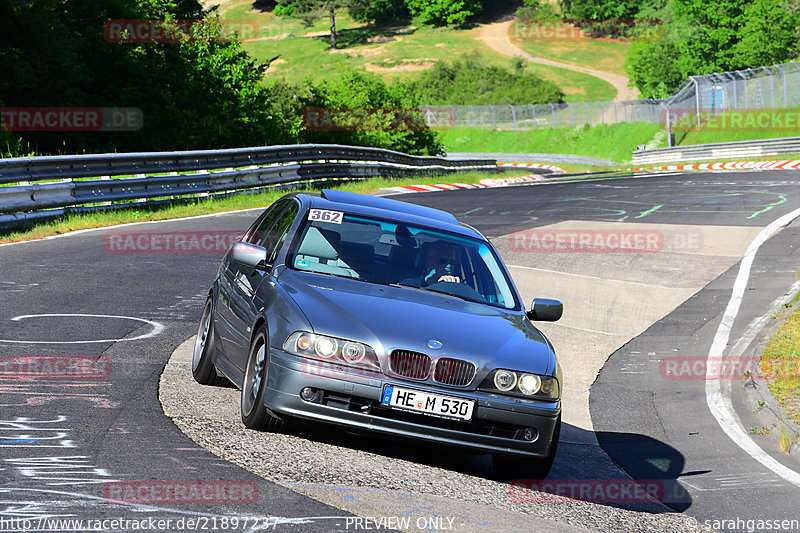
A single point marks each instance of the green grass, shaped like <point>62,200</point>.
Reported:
<point>80,221</point>
<point>721,130</point>
<point>602,54</point>
<point>392,52</point>
<point>577,86</point>
<point>781,365</point>
<point>615,142</point>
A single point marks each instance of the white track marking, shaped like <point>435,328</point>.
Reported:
<point>105,228</point>
<point>719,403</point>
<point>157,329</point>
<point>591,277</point>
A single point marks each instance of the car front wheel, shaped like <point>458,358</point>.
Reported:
<point>254,413</point>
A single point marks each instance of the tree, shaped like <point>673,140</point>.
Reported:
<point>381,11</point>
<point>444,12</point>
<point>652,68</point>
<point>380,115</point>
<point>703,38</point>
<point>770,34</point>
<point>202,92</point>
<point>310,10</point>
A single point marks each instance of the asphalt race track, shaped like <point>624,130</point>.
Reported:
<point>69,437</point>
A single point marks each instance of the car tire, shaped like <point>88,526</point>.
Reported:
<point>508,468</point>
<point>254,386</point>
<point>203,368</point>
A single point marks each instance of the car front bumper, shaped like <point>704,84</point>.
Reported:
<point>353,401</point>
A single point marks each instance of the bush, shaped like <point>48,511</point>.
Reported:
<point>469,81</point>
<point>285,9</point>
<point>381,11</point>
<point>444,12</point>
<point>363,91</point>
<point>537,10</point>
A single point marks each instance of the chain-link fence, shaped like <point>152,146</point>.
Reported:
<point>541,116</point>
<point>700,97</point>
<point>750,98</point>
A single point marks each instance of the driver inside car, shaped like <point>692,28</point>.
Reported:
<point>440,265</point>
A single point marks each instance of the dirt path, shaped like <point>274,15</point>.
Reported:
<point>496,37</point>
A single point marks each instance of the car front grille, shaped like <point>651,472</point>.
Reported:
<point>408,364</point>
<point>454,372</point>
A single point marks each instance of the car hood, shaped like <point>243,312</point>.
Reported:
<point>389,318</point>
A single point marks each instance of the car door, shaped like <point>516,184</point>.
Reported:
<point>245,305</point>
<point>228,336</point>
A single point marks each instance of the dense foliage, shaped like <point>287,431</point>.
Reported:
<point>470,81</point>
<point>432,12</point>
<point>369,113</point>
<point>700,37</point>
<point>200,92</point>
<point>444,12</point>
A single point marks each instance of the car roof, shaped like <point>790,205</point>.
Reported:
<point>376,206</point>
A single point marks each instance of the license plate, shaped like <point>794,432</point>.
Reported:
<point>425,402</point>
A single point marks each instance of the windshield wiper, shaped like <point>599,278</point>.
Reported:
<point>434,292</point>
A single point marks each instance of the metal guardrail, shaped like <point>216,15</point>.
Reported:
<point>139,178</point>
<point>717,151</point>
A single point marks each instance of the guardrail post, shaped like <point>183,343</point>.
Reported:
<point>513,116</point>
<point>553,124</point>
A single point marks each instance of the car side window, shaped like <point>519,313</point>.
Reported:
<point>258,233</point>
<point>277,235</point>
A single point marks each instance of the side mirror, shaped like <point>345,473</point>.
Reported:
<point>249,254</point>
<point>545,310</point>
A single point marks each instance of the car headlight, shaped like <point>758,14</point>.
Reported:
<point>505,380</point>
<point>325,347</point>
<point>331,349</point>
<point>522,384</point>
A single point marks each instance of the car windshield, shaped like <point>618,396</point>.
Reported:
<point>420,258</point>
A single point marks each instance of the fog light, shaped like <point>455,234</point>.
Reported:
<point>308,394</point>
<point>530,434</point>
